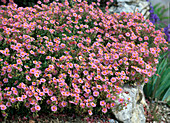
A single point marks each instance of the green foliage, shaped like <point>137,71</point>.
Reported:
<point>160,11</point>
<point>159,84</point>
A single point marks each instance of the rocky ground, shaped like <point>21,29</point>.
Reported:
<point>161,114</point>
<point>158,113</point>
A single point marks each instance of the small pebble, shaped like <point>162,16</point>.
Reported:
<point>112,121</point>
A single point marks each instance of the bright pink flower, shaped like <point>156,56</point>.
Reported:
<point>64,103</point>
<point>27,104</point>
<point>112,104</point>
<point>127,34</point>
<point>80,80</point>
<point>53,98</point>
<point>50,93</point>
<point>42,80</point>
<point>121,100</point>
<point>42,93</point>
<point>93,104</point>
<point>115,56</point>
<point>53,108</point>
<point>28,78</point>
<point>8,104</point>
<point>90,112</point>
<point>33,109</point>
<point>146,38</point>
<point>5,80</point>
<point>37,108</point>
<point>102,103</point>
<point>95,93</point>
<point>85,72</point>
<point>113,79</point>
<point>91,98</point>
<point>82,105</point>
<point>104,110</point>
<point>146,80</point>
<point>19,98</point>
<point>3,107</point>
<point>48,102</point>
<point>89,77</point>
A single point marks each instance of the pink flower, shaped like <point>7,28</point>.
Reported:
<point>146,80</point>
<point>28,78</point>
<point>107,35</point>
<point>91,98</point>
<point>48,102</point>
<point>113,79</point>
<point>85,72</point>
<point>95,93</point>
<point>90,112</point>
<point>146,38</point>
<point>37,107</point>
<point>112,104</point>
<point>53,108</point>
<point>53,98</point>
<point>8,104</point>
<point>9,70</point>
<point>115,56</point>
<point>5,80</point>
<point>42,80</point>
<point>50,93</point>
<point>82,105</point>
<point>102,103</point>
<point>64,103</point>
<point>93,104</point>
<point>104,110</point>
<point>3,107</point>
<point>87,91</point>
<point>77,90</point>
<point>140,39</point>
<point>86,95</point>
<point>121,100</point>
<point>113,98</point>
<point>127,34</point>
<point>76,75</point>
<point>89,77</point>
<point>33,109</point>
<point>19,98</point>
<point>80,80</point>
<point>27,104</point>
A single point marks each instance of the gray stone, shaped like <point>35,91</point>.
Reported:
<point>127,0</point>
<point>128,6</point>
<point>134,112</point>
<point>112,121</point>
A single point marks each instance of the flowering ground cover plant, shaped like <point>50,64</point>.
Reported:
<point>56,58</point>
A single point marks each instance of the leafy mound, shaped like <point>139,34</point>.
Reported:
<point>77,58</point>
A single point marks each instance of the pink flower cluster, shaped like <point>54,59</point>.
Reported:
<point>73,55</point>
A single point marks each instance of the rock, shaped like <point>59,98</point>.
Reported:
<point>134,112</point>
<point>127,0</point>
<point>113,121</point>
<point>141,6</point>
<point>31,121</point>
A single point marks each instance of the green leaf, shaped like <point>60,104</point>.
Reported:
<point>167,95</point>
<point>164,18</point>
<point>158,11</point>
<point>164,10</point>
<point>163,87</point>
<point>155,6</point>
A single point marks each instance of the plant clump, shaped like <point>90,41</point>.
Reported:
<point>56,58</point>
